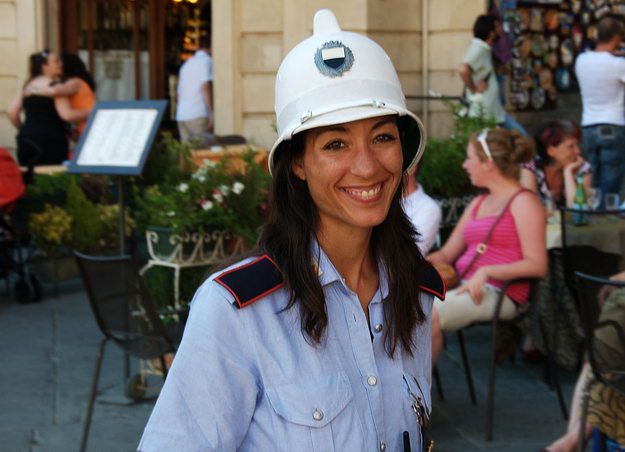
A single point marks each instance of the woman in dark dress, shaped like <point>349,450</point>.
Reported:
<point>43,136</point>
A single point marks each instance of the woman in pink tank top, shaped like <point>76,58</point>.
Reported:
<point>500,236</point>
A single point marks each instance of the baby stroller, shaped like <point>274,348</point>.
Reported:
<point>26,288</point>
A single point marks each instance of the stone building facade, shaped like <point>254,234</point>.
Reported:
<point>426,40</point>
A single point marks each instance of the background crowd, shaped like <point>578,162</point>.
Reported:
<point>520,180</point>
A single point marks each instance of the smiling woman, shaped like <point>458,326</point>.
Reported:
<point>352,171</point>
<point>321,340</point>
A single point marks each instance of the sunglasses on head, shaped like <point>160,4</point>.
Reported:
<point>481,138</point>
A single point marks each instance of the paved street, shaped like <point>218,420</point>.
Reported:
<point>48,352</point>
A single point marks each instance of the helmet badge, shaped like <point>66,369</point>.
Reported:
<point>333,59</point>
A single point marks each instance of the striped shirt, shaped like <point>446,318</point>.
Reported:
<point>504,247</point>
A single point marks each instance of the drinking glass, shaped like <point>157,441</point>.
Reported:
<point>594,197</point>
<point>550,207</point>
<point>612,201</point>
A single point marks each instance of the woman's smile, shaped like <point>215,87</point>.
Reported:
<point>352,171</point>
<point>366,194</point>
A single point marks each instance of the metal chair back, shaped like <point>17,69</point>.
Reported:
<point>590,248</point>
<point>604,333</point>
<point>122,307</point>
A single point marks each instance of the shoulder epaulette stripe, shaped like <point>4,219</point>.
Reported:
<point>252,281</point>
<point>433,283</point>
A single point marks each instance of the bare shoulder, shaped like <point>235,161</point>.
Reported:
<point>527,203</point>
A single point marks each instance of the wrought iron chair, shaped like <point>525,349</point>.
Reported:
<point>495,323</point>
<point>579,251</point>
<point>125,315</point>
<point>604,339</point>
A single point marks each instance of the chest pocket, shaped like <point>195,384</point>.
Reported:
<point>319,406</point>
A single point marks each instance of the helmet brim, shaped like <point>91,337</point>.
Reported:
<point>410,127</point>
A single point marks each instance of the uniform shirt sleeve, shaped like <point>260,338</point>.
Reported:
<point>209,397</point>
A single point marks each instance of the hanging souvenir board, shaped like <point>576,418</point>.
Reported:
<point>547,36</point>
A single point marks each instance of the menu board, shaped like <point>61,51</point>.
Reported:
<point>118,137</point>
<point>547,36</point>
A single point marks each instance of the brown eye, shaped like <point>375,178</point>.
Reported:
<point>334,145</point>
<point>384,138</point>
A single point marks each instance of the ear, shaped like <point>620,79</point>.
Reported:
<point>298,168</point>
<point>551,150</point>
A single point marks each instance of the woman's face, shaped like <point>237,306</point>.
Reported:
<point>475,168</point>
<point>352,171</point>
<point>566,152</point>
<point>53,66</point>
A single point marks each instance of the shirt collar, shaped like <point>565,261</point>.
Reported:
<point>201,53</point>
<point>328,273</point>
<point>481,43</point>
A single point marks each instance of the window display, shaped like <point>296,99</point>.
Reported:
<point>547,36</point>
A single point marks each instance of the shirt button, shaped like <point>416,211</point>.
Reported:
<point>378,328</point>
<point>372,381</point>
<point>318,415</point>
<point>382,446</point>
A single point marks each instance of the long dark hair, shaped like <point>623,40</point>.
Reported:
<point>36,62</point>
<point>73,66</point>
<point>287,238</point>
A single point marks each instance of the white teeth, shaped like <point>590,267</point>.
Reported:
<point>366,194</point>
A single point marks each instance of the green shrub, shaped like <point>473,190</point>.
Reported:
<point>88,227</point>
<point>441,171</point>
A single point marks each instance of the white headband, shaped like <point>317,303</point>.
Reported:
<point>481,138</point>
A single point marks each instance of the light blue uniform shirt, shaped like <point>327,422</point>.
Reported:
<point>247,379</point>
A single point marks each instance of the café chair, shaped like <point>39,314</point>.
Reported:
<point>604,340</point>
<point>594,248</point>
<point>495,324</point>
<point>126,316</point>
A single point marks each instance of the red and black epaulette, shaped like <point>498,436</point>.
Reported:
<point>432,282</point>
<point>252,281</point>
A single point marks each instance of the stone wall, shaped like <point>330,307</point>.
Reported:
<point>22,32</point>
<point>250,38</point>
<point>450,30</point>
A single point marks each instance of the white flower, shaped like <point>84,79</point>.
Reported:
<point>206,205</point>
<point>224,189</point>
<point>171,213</point>
<point>199,175</point>
<point>183,187</point>
<point>208,163</point>
<point>218,197</point>
<point>237,188</point>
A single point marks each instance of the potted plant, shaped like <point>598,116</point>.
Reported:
<point>74,223</point>
<point>214,204</point>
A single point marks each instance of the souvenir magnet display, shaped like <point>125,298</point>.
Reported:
<point>538,98</point>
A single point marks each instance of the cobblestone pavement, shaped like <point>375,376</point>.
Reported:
<point>48,352</point>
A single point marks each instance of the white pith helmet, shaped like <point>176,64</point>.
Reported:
<point>334,77</point>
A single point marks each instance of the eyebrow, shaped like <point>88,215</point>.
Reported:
<point>339,128</point>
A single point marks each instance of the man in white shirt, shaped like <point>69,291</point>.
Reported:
<point>601,77</point>
<point>425,213</point>
<point>194,111</point>
<point>478,75</point>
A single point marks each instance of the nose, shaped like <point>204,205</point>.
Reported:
<point>365,162</point>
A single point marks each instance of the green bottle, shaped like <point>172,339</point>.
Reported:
<point>580,203</point>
